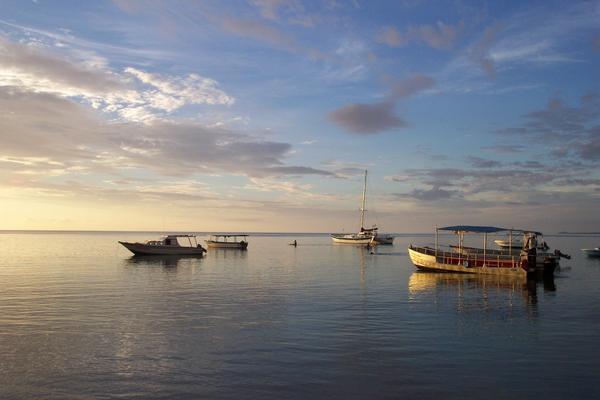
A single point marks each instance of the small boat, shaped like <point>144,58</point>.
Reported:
<point>505,244</point>
<point>384,238</point>
<point>483,260</point>
<point>365,236</point>
<point>595,252</point>
<point>517,243</point>
<point>227,242</point>
<point>168,245</point>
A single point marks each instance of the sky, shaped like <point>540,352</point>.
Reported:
<point>262,115</point>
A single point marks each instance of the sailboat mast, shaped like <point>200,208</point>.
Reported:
<point>364,199</point>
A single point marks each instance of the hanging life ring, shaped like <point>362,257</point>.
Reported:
<point>466,263</point>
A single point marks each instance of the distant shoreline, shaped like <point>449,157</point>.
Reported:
<point>199,233</point>
<point>203,233</point>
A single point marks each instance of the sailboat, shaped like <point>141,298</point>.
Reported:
<point>366,236</point>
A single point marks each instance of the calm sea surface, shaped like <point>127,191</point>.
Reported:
<point>81,319</point>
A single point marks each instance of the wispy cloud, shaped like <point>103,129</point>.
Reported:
<point>440,36</point>
<point>574,129</point>
<point>68,134</point>
<point>148,96</point>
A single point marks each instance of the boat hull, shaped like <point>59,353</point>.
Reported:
<point>432,263</point>
<point>350,240</point>
<point>226,245</point>
<point>150,250</point>
<point>591,252</point>
<point>384,239</point>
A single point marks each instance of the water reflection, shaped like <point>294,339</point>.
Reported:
<point>482,292</point>
<point>165,261</point>
<point>229,254</point>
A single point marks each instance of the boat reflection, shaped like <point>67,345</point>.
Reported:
<point>476,290</point>
<point>228,254</point>
<point>165,261</point>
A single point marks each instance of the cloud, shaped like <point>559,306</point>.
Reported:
<point>374,118</point>
<point>538,36</point>
<point>389,35</point>
<point>569,130</point>
<point>504,148</point>
<point>71,136</point>
<point>142,99</point>
<point>411,86</point>
<point>174,92</point>
<point>30,64</point>
<point>294,10</point>
<point>487,185</point>
<point>433,194</point>
<point>440,36</point>
<point>258,31</point>
<point>480,51</point>
<point>367,118</point>
<point>479,162</point>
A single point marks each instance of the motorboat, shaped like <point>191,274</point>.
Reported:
<point>168,245</point>
<point>227,242</point>
<point>595,252</point>
<point>505,244</point>
<point>460,258</point>
<point>517,243</point>
<point>365,236</point>
<point>384,238</point>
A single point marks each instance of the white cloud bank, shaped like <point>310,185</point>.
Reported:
<point>131,95</point>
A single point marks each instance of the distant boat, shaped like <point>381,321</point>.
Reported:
<point>505,244</point>
<point>224,242</point>
<point>366,236</point>
<point>517,243</point>
<point>595,252</point>
<point>384,238</point>
<point>168,245</point>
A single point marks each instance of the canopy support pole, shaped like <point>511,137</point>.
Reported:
<point>484,247</point>
<point>436,240</point>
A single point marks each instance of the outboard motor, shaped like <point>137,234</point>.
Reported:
<point>529,253</point>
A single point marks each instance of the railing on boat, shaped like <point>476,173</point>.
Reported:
<point>470,259</point>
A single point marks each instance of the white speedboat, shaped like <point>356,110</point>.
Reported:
<point>506,244</point>
<point>228,242</point>
<point>168,245</point>
<point>595,252</point>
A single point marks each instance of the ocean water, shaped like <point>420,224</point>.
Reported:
<point>82,319</point>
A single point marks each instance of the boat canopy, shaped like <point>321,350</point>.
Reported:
<point>228,236</point>
<point>176,236</point>
<point>483,229</point>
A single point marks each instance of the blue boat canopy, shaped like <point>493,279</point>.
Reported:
<point>473,228</point>
<point>483,229</point>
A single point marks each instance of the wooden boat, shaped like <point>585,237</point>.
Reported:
<point>595,252</point>
<point>484,261</point>
<point>227,242</point>
<point>365,236</point>
<point>168,245</point>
